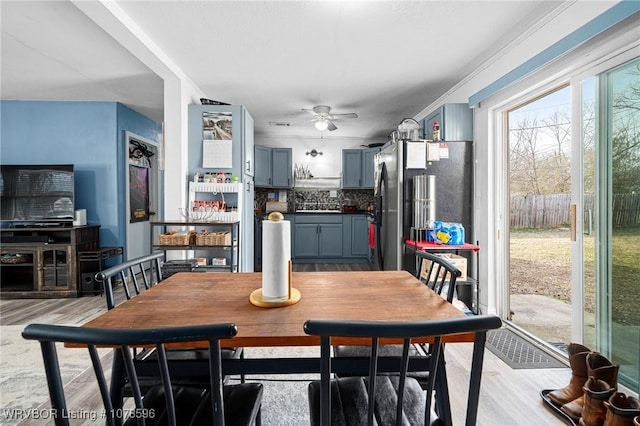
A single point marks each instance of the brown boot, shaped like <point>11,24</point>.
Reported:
<point>600,368</point>
<point>596,392</point>
<point>621,410</point>
<point>578,363</point>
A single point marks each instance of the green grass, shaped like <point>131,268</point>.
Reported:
<point>540,263</point>
<point>625,276</point>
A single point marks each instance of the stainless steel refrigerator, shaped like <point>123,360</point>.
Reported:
<point>394,197</point>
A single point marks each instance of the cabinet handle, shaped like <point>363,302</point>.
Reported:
<point>248,165</point>
<point>269,181</point>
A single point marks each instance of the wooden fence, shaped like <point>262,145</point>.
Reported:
<point>552,211</point>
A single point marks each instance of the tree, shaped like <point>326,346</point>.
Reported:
<point>523,161</point>
<point>558,171</point>
<point>625,133</point>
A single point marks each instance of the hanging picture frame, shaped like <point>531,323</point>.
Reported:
<point>138,193</point>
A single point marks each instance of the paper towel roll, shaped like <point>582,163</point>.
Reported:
<point>276,254</point>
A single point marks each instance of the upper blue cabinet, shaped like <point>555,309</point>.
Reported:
<point>456,123</point>
<point>358,167</point>
<point>273,167</point>
<point>221,139</point>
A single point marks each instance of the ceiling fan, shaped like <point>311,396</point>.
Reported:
<point>324,119</point>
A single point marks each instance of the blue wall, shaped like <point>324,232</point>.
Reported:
<point>89,135</point>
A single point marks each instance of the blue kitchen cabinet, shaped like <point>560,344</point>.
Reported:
<point>330,240</point>
<point>359,236</point>
<point>318,236</point>
<point>281,168</point>
<point>358,167</point>
<point>368,167</point>
<point>456,123</point>
<point>351,168</point>
<point>273,167</point>
<point>305,240</point>
<point>248,143</point>
<point>263,166</point>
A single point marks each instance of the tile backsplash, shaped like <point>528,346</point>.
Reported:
<point>317,199</point>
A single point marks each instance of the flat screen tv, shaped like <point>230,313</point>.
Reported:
<point>37,193</point>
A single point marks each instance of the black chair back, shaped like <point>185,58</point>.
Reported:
<point>437,273</point>
<point>165,403</point>
<point>145,268</point>
<point>142,273</point>
<point>359,402</point>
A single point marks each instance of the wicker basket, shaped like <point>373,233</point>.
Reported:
<point>176,239</point>
<point>18,258</point>
<point>214,239</point>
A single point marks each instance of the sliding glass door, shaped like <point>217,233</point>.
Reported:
<point>573,185</point>
<point>616,264</point>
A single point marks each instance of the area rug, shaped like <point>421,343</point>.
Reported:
<point>23,385</point>
<point>24,394</point>
<point>517,353</point>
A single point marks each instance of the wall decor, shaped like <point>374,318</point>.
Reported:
<point>217,139</point>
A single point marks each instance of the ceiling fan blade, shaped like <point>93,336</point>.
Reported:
<point>331,126</point>
<point>341,116</point>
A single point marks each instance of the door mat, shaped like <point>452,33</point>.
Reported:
<point>518,353</point>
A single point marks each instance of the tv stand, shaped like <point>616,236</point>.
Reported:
<point>44,225</point>
<point>42,261</point>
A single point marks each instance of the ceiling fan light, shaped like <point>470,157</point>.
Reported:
<point>322,124</point>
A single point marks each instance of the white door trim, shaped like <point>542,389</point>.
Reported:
<point>154,194</point>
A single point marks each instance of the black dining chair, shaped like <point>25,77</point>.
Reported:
<point>136,276</point>
<point>437,273</point>
<point>440,276</point>
<point>165,403</point>
<point>379,397</point>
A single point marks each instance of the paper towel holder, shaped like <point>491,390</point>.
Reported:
<point>256,298</point>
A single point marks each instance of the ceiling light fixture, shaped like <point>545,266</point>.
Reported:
<point>322,124</point>
<point>314,153</point>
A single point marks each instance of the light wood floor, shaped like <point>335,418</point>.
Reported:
<point>508,397</point>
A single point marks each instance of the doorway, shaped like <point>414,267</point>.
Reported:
<point>539,140</point>
<point>574,213</point>
<point>142,193</point>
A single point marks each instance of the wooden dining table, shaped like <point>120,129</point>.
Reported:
<point>191,298</point>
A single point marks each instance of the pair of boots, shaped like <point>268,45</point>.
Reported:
<point>584,364</point>
<point>603,406</point>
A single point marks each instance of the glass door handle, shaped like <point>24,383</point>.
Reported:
<point>573,222</point>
